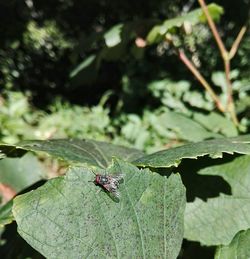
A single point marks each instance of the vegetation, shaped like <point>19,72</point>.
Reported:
<point>155,91</point>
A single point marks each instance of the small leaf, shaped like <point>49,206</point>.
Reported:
<point>214,148</point>
<point>217,220</point>
<point>70,217</point>
<point>6,216</point>
<point>113,36</point>
<point>93,153</point>
<point>83,65</point>
<point>239,247</point>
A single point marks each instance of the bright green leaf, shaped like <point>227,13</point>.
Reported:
<point>113,36</point>
<point>214,148</point>
<point>93,153</point>
<point>239,247</point>
<point>70,217</point>
<point>217,220</point>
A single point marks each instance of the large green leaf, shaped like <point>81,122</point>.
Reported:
<point>70,217</point>
<point>239,247</point>
<point>93,153</point>
<point>217,220</point>
<point>214,148</point>
<point>194,17</point>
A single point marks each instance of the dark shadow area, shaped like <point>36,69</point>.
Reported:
<point>82,24</point>
<point>193,250</point>
<point>15,247</point>
<point>203,186</point>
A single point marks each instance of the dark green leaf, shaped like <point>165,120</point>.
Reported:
<point>93,153</point>
<point>70,217</point>
<point>217,220</point>
<point>214,148</point>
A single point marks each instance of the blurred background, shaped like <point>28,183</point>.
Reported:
<point>87,69</point>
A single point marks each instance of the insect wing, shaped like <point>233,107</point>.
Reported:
<point>118,177</point>
<point>114,183</point>
<point>112,188</point>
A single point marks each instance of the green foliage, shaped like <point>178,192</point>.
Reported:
<point>179,95</point>
<point>93,122</point>
<point>48,37</point>
<point>17,119</point>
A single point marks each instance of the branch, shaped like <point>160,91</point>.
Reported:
<point>200,78</point>
<point>213,28</point>
<point>226,56</point>
<point>237,41</point>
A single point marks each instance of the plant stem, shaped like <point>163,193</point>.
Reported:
<point>226,56</point>
<point>213,28</point>
<point>230,103</point>
<point>237,41</point>
<point>200,78</point>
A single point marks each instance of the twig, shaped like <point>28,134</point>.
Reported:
<point>213,28</point>
<point>181,54</point>
<point>201,79</point>
<point>237,41</point>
